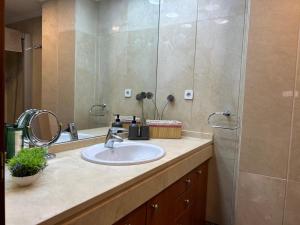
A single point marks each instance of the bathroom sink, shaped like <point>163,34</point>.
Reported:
<point>65,136</point>
<point>124,153</point>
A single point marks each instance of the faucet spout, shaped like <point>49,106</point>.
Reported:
<point>112,137</point>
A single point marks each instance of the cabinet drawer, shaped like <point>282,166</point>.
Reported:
<point>182,185</point>
<point>137,217</point>
<point>183,203</point>
<point>185,219</point>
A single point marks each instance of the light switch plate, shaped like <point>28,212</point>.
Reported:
<point>188,94</point>
<point>128,93</point>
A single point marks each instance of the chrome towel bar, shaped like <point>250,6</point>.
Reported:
<point>226,114</point>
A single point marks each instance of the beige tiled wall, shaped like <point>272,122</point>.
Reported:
<point>201,48</point>
<point>268,186</point>
<point>58,58</point>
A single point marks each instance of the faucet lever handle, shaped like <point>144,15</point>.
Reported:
<point>115,130</point>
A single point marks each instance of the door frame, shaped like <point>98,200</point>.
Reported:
<point>2,82</point>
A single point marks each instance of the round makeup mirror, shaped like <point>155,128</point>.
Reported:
<point>41,127</point>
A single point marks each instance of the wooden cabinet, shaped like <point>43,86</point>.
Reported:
<point>182,203</point>
<point>137,217</point>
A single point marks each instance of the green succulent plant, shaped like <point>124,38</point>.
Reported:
<point>27,162</point>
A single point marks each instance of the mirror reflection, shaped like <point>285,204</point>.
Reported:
<point>83,60</point>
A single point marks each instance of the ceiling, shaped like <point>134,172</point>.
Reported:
<point>18,10</point>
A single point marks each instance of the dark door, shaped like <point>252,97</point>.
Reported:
<point>2,212</point>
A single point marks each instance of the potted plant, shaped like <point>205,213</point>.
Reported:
<point>27,165</point>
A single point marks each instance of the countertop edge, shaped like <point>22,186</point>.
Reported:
<point>113,193</point>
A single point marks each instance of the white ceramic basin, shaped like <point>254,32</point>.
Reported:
<point>65,137</point>
<point>125,153</point>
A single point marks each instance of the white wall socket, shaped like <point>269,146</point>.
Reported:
<point>188,94</point>
<point>128,93</point>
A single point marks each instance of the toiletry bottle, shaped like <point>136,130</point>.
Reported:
<point>133,132</point>
<point>117,122</point>
<point>14,141</point>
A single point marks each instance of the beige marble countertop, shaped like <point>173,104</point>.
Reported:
<point>70,181</point>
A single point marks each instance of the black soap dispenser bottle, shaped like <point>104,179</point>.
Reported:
<point>133,132</point>
<point>117,122</point>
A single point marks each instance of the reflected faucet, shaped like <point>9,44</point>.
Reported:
<point>112,137</point>
<point>73,131</point>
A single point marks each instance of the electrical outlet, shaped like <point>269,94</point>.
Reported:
<point>188,94</point>
<point>128,93</point>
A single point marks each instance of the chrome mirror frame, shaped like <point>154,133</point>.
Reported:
<point>25,121</point>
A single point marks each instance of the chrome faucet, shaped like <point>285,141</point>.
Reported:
<point>73,131</point>
<point>112,136</point>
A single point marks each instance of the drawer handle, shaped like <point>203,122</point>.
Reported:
<point>187,201</point>
<point>128,224</point>
<point>199,171</point>
<point>155,206</point>
<point>188,181</point>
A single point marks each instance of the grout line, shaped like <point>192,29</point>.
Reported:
<point>292,126</point>
<point>262,175</point>
<point>157,58</point>
<point>240,101</point>
<point>195,55</point>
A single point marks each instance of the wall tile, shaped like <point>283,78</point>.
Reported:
<point>260,200</point>
<point>294,166</point>
<point>212,9</point>
<point>113,16</point>
<point>142,15</point>
<point>273,39</point>
<point>175,12</point>
<point>220,196</point>
<point>292,216</point>
<point>217,70</point>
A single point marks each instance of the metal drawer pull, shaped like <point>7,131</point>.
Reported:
<point>199,171</point>
<point>154,206</point>
<point>188,181</point>
<point>187,201</point>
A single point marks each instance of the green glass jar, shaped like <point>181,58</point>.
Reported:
<point>13,140</point>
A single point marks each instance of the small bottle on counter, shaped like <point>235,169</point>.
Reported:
<point>117,122</point>
<point>13,140</point>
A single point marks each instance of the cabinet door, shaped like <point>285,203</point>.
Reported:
<point>199,195</point>
<point>158,210</point>
<point>137,217</point>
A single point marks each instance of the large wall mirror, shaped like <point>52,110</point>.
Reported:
<point>84,60</point>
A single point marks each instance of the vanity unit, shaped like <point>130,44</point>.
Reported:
<point>169,191</point>
<point>183,203</point>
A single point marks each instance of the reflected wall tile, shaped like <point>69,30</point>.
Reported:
<point>66,76</point>
<point>292,216</point>
<point>175,69</point>
<point>86,16</point>
<point>86,46</point>
<point>176,12</point>
<point>49,56</point>
<point>260,200</point>
<point>142,15</point>
<point>113,16</point>
<point>113,51</point>
<point>212,9</point>
<point>271,63</point>
<point>66,15</point>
